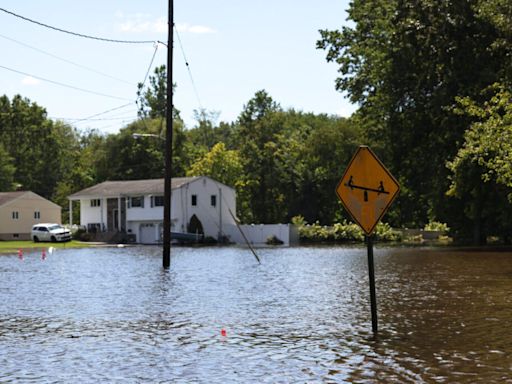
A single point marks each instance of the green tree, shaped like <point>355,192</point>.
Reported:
<point>258,126</point>
<point>220,164</point>
<point>41,150</point>
<point>405,62</point>
<point>7,170</point>
<point>482,168</point>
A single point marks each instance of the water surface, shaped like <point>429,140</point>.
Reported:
<point>302,316</point>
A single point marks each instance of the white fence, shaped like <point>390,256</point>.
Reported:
<point>259,234</point>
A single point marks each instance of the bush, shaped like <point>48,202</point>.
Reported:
<point>342,232</point>
<point>274,240</point>
<point>82,235</point>
<point>437,226</point>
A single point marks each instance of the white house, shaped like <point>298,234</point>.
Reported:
<point>199,205</point>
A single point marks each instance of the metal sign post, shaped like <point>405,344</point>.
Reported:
<point>366,190</point>
<point>371,276</point>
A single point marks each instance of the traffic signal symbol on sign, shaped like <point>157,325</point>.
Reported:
<point>367,189</point>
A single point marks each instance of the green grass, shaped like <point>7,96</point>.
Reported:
<point>13,246</point>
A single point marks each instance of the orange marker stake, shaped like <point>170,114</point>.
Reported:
<point>43,254</point>
<point>223,332</point>
<point>20,254</point>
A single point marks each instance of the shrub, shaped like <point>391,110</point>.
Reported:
<point>344,232</point>
<point>436,226</point>
<point>274,240</point>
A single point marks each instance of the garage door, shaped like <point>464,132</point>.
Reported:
<point>147,233</point>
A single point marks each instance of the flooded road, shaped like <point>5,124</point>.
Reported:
<point>302,316</point>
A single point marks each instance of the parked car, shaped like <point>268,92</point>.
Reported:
<point>50,232</point>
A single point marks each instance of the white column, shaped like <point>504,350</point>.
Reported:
<point>119,214</point>
<point>70,213</point>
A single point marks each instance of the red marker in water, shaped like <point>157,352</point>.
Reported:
<point>20,254</point>
<point>43,254</point>
<point>223,332</point>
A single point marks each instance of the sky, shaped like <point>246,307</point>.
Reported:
<point>234,48</point>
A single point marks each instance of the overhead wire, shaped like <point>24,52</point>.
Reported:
<point>104,112</point>
<point>188,69</point>
<point>63,84</point>
<point>75,33</point>
<point>65,60</point>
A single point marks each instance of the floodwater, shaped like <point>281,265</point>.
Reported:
<point>302,316</point>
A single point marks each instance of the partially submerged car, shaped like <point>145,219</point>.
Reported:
<point>50,232</point>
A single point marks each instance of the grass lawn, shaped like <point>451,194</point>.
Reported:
<point>13,246</point>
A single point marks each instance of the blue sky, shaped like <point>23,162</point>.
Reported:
<point>234,48</point>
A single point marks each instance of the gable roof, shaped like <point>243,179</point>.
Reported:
<point>8,197</point>
<point>135,187</point>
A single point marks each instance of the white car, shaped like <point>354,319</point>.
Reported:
<point>50,232</point>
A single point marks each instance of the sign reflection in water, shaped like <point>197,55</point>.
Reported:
<point>300,316</point>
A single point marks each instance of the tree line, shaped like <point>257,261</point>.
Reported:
<point>432,82</point>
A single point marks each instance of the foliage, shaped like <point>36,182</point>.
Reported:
<point>220,164</point>
<point>274,240</point>
<point>342,232</point>
<point>482,168</point>
<point>7,170</point>
<point>436,226</point>
<point>405,62</point>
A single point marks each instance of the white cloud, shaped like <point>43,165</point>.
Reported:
<point>29,80</point>
<point>142,22</point>
<point>199,29</point>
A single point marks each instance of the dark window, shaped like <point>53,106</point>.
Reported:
<point>137,202</point>
<point>37,215</point>
<point>194,200</point>
<point>15,215</point>
<point>157,201</point>
<point>213,200</point>
<point>95,202</point>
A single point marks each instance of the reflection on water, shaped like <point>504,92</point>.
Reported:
<point>113,315</point>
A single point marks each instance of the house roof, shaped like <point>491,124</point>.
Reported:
<point>119,188</point>
<point>7,197</point>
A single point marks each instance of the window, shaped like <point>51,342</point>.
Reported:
<point>157,201</point>
<point>194,200</point>
<point>137,202</point>
<point>15,215</point>
<point>95,202</point>
<point>213,200</point>
<point>37,215</point>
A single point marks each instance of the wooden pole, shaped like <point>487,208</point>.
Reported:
<point>168,144</point>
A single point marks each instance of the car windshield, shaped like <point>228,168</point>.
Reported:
<point>54,227</point>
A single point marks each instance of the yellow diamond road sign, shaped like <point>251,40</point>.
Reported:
<point>367,189</point>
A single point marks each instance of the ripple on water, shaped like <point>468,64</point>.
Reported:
<point>301,316</point>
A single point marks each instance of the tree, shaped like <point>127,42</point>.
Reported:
<point>482,168</point>
<point>41,150</point>
<point>7,170</point>
<point>258,126</point>
<point>220,164</point>
<point>405,62</point>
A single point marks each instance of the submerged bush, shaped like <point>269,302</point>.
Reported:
<point>342,232</point>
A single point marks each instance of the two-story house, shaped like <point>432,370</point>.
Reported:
<point>199,205</point>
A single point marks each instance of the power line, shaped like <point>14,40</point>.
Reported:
<point>188,69</point>
<point>63,85</point>
<point>104,112</point>
<point>65,60</point>
<point>75,33</point>
<point>150,65</point>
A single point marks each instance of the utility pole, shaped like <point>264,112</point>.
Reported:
<point>168,143</point>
